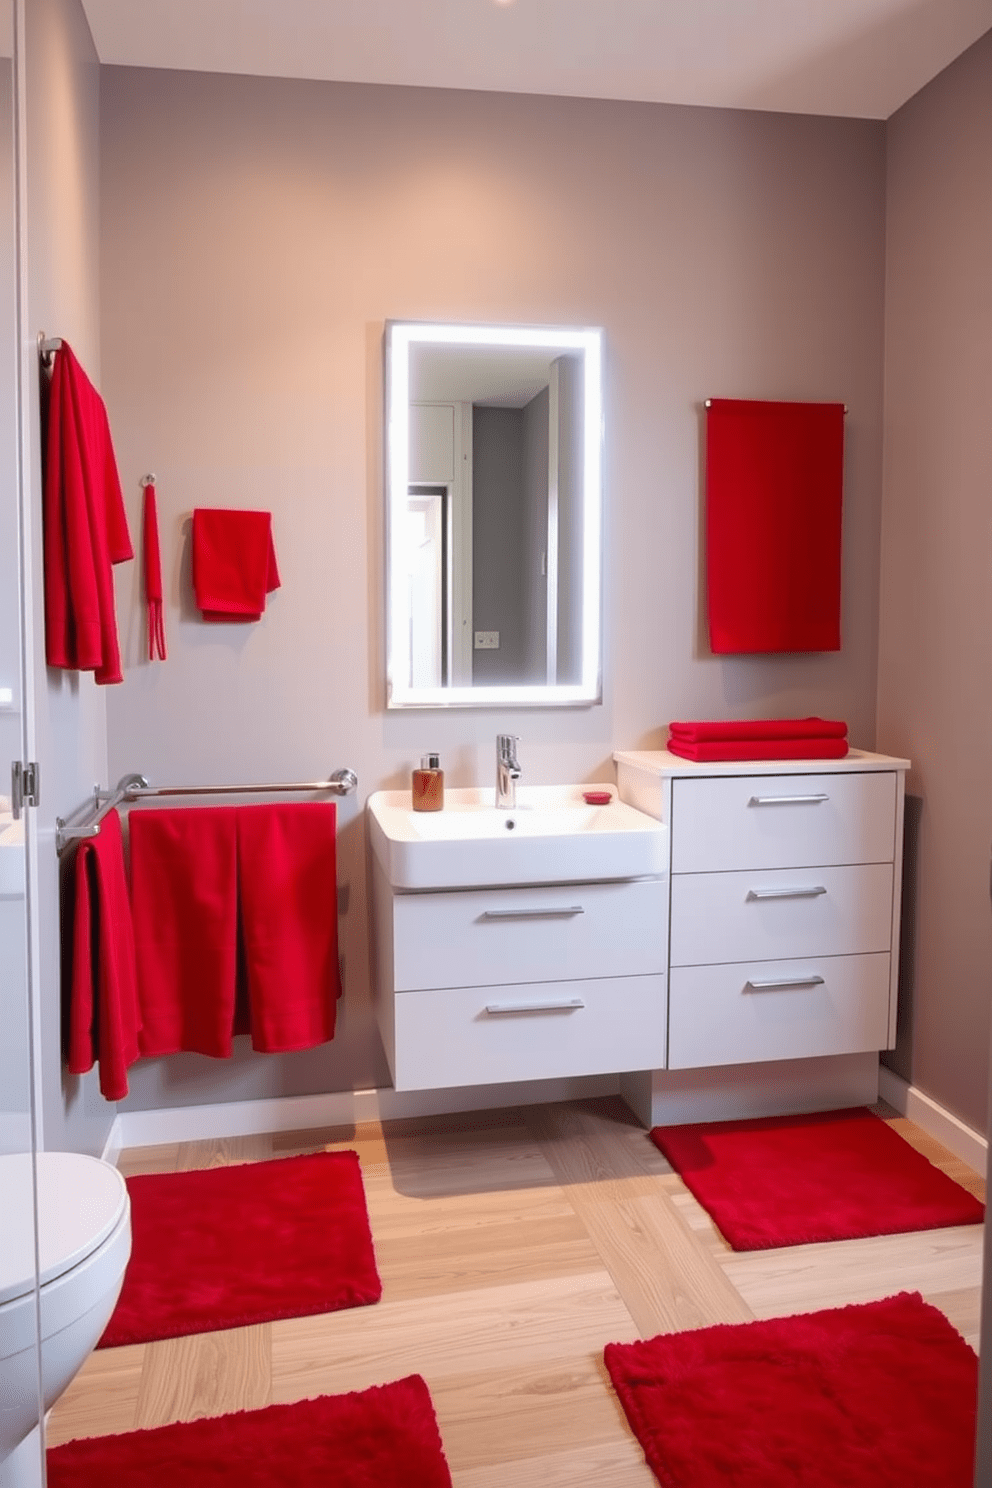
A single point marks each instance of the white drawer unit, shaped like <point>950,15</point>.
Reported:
<point>784,903</point>
<point>782,822</point>
<point>477,937</point>
<point>483,986</point>
<point>532,1031</point>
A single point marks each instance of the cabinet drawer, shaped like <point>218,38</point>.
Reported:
<point>782,821</point>
<point>761,915</point>
<point>492,936</point>
<point>724,1015</point>
<point>482,1036</point>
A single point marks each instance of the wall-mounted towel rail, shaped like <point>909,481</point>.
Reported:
<point>85,821</point>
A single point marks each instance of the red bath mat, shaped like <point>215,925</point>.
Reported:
<point>879,1395</point>
<point>377,1438</point>
<point>225,1247</point>
<point>795,1180</point>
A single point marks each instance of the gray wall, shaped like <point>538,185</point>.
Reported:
<point>935,650</point>
<point>63,86</point>
<point>255,235</point>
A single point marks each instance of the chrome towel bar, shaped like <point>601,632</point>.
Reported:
<point>85,822</point>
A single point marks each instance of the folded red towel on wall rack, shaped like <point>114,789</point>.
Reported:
<point>234,563</point>
<point>774,484</point>
<point>712,731</point>
<point>85,526</point>
<point>758,749</point>
<point>103,1018</point>
<point>235,906</point>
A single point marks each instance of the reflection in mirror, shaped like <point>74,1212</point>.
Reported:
<point>494,515</point>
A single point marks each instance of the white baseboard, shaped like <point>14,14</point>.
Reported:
<point>966,1143</point>
<point>339,1108</point>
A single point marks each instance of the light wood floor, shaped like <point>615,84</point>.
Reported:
<point>512,1246</point>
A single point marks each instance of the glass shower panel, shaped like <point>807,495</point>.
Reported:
<point>19,1410</point>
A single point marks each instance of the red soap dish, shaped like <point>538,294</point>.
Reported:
<point>597,797</point>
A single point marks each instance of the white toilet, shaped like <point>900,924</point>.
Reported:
<point>84,1242</point>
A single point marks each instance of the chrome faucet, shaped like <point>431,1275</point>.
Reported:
<point>507,770</point>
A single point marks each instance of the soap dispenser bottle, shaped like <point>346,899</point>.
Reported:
<point>428,784</point>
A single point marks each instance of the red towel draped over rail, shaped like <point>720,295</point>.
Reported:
<point>774,483</point>
<point>85,526</point>
<point>103,1017</point>
<point>235,902</point>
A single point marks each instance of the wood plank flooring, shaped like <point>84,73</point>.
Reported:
<point>512,1245</point>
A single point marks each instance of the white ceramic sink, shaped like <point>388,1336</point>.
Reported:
<point>551,836</point>
<point>11,855</point>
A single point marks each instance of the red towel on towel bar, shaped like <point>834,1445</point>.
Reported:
<point>103,1000</point>
<point>288,886</point>
<point>705,731</point>
<point>759,749</point>
<point>774,482</point>
<point>234,563</point>
<point>85,526</point>
<point>184,903</point>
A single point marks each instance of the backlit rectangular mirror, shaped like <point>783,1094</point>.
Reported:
<point>494,515</point>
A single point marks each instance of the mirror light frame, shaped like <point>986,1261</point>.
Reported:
<point>401,337</point>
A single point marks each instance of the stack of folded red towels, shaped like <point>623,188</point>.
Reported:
<point>759,739</point>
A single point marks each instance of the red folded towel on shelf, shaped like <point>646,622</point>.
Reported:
<point>288,893</point>
<point>234,563</point>
<point>85,526</point>
<point>774,483</point>
<point>103,1018</point>
<point>153,575</point>
<point>759,749</point>
<point>712,731</point>
<point>185,908</point>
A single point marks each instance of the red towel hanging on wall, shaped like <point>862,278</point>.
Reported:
<point>774,482</point>
<point>85,526</point>
<point>234,563</point>
<point>153,573</point>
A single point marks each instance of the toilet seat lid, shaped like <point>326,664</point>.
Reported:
<point>80,1201</point>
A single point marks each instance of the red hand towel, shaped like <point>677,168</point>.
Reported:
<point>759,749</point>
<point>153,576</point>
<point>184,903</point>
<point>774,481</point>
<point>758,728</point>
<point>234,563</point>
<point>103,997</point>
<point>85,526</point>
<point>288,881</point>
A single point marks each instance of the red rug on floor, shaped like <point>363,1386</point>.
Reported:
<point>880,1395</point>
<point>229,1246</point>
<point>795,1180</point>
<point>377,1438</point>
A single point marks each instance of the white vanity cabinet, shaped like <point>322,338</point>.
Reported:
<point>490,985</point>
<point>784,903</point>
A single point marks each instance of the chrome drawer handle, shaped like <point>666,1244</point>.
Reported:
<point>789,800</point>
<point>767,986</point>
<point>552,913</point>
<point>811,893</point>
<point>562,1005</point>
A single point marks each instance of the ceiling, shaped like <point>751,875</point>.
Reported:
<point>857,58</point>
